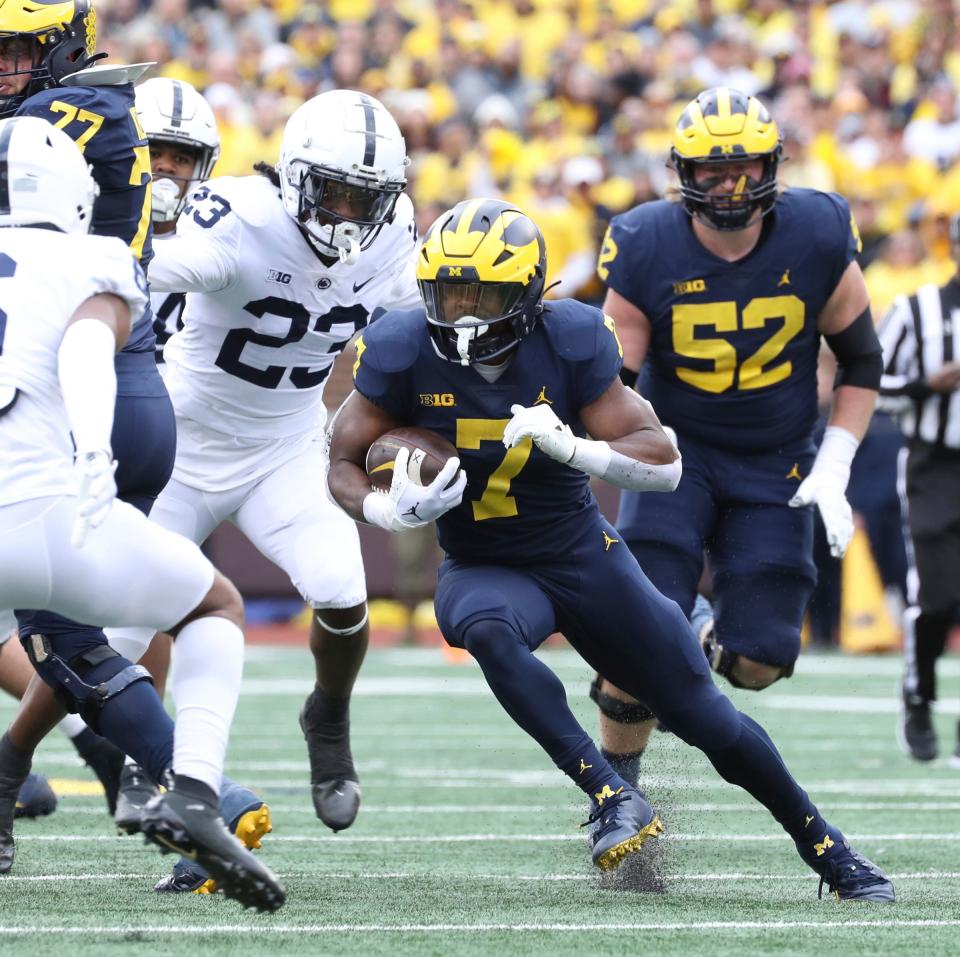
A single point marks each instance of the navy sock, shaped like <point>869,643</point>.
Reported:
<point>134,720</point>
<point>626,765</point>
<point>535,698</point>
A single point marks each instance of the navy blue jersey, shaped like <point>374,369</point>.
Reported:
<point>102,121</point>
<point>733,351</point>
<point>520,506</point>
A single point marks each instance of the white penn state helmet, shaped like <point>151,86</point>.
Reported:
<point>172,111</point>
<point>44,179</point>
<point>342,166</point>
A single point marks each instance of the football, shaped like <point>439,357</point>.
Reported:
<point>428,454</point>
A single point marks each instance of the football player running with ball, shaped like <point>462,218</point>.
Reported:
<point>281,270</point>
<point>527,550</point>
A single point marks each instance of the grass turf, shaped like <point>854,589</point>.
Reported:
<point>467,840</point>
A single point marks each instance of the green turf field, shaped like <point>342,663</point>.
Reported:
<point>467,841</point>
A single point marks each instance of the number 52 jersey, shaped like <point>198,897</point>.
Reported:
<point>265,317</point>
<point>733,352</point>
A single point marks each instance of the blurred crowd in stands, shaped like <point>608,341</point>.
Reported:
<point>566,106</point>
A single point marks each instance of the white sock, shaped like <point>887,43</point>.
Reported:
<point>72,725</point>
<point>205,681</point>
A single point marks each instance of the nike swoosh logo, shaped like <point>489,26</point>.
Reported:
<point>357,286</point>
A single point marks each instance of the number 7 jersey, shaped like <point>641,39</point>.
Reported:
<point>265,317</point>
<point>733,352</point>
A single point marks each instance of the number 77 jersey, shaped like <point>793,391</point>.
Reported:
<point>733,352</point>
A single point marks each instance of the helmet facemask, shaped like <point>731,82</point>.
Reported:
<point>471,322</point>
<point>25,51</point>
<point>205,158</point>
<point>727,211</point>
<point>341,213</point>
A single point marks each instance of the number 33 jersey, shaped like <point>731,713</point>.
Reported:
<point>733,352</point>
<point>265,317</point>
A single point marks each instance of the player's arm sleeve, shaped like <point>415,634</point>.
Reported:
<point>620,261</point>
<point>597,371</point>
<point>204,255</point>
<point>841,237</point>
<point>114,269</point>
<point>901,378</point>
<point>377,375</point>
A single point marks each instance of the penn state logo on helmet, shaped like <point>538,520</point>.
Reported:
<point>481,271</point>
<point>723,126</point>
<point>47,41</point>
<point>44,179</point>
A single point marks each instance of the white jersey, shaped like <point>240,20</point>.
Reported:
<point>265,317</point>
<point>44,277</point>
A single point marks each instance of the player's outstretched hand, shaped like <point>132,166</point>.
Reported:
<point>96,490</point>
<point>819,489</point>
<point>417,505</point>
<point>540,423</point>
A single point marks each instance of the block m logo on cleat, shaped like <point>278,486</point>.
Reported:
<point>822,848</point>
<point>605,793</point>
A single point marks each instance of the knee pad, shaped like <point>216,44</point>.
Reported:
<point>623,712</point>
<point>724,663</point>
<point>89,681</point>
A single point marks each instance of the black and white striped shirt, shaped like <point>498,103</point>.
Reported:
<point>919,335</point>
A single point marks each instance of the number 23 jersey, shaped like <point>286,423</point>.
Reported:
<point>264,316</point>
<point>733,352</point>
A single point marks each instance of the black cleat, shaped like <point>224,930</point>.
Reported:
<point>36,798</point>
<point>622,824</point>
<point>191,825</point>
<point>14,768</point>
<point>851,877</point>
<point>105,760</point>
<point>915,732</point>
<point>136,789</point>
<point>334,783</point>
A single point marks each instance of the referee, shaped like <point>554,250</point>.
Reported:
<point>921,384</point>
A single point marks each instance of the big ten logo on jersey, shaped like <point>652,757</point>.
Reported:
<point>275,275</point>
<point>688,286</point>
<point>437,399</point>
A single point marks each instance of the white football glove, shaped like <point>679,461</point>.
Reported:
<point>409,505</point>
<point>826,487</point>
<point>96,490</point>
<point>540,423</point>
<point>165,198</point>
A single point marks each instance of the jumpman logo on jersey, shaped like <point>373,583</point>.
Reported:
<point>584,765</point>
<point>821,849</point>
<point>608,541</point>
<point>807,820</point>
<point>794,473</point>
<point>542,397</point>
<point>785,278</point>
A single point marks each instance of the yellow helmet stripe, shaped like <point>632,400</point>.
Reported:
<point>723,103</point>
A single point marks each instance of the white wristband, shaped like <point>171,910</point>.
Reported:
<point>836,454</point>
<point>379,510</point>
<point>88,382</point>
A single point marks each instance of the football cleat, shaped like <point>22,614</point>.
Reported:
<point>36,798</point>
<point>915,732</point>
<point>334,784</point>
<point>14,768</point>
<point>191,826</point>
<point>622,823</point>
<point>136,789</point>
<point>246,816</point>
<point>850,876</point>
